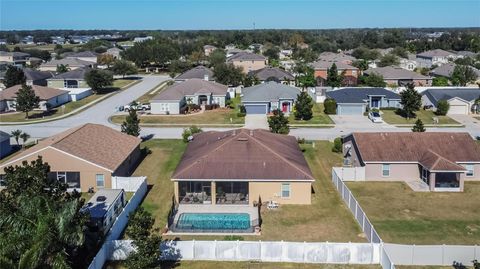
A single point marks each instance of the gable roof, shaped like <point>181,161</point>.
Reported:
<point>446,70</point>
<point>437,94</point>
<point>269,91</point>
<point>67,61</point>
<point>196,72</point>
<point>243,155</point>
<point>246,56</point>
<point>82,54</point>
<point>95,143</point>
<point>190,87</point>
<point>78,73</point>
<point>44,93</point>
<point>271,72</point>
<point>359,94</point>
<point>437,150</point>
<point>32,74</point>
<point>435,53</point>
<point>394,72</point>
<point>323,65</point>
<point>335,57</point>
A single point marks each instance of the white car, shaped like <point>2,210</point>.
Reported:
<point>375,117</point>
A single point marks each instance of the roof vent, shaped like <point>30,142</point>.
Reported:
<point>251,132</point>
<point>234,132</point>
<point>242,139</point>
<point>101,198</point>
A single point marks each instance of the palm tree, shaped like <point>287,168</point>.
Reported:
<point>16,134</point>
<point>24,137</point>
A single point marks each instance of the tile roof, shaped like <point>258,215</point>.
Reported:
<point>44,93</point>
<point>95,143</point>
<point>271,72</point>
<point>196,72</point>
<point>243,155</point>
<point>322,65</point>
<point>393,72</point>
<point>269,91</point>
<point>435,53</point>
<point>439,150</point>
<point>437,94</point>
<point>359,94</point>
<point>190,87</point>
<point>78,73</point>
<point>246,56</point>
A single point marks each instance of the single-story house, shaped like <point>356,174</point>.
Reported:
<point>355,101</point>
<point>85,157</point>
<point>174,99</point>
<point>15,57</point>
<point>5,146</point>
<point>351,73</point>
<point>49,97</point>
<point>461,100</point>
<point>441,160</point>
<point>266,97</point>
<point>200,72</point>
<point>393,75</point>
<point>242,167</point>
<point>273,74</point>
<point>114,52</point>
<point>72,81</point>
<point>35,77</point>
<point>447,69</point>
<point>88,56</point>
<point>435,57</point>
<point>71,63</point>
<point>248,61</point>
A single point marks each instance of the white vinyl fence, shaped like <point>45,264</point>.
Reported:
<point>432,255</point>
<point>119,225</point>
<point>130,184</point>
<point>350,173</point>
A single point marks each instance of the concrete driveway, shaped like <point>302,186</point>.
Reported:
<point>356,121</point>
<point>256,121</point>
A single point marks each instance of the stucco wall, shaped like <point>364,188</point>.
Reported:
<point>476,173</point>
<point>300,192</point>
<point>398,172</point>
<point>248,66</point>
<point>172,108</point>
<point>129,165</point>
<point>55,84</point>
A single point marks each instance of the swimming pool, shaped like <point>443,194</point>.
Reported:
<point>218,222</point>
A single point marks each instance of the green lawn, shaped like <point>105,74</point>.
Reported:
<point>401,215</point>
<point>68,107</point>
<point>319,117</point>
<point>327,219</point>
<point>391,117</point>
<point>217,116</point>
<point>49,47</point>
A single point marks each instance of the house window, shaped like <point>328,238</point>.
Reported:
<point>285,190</point>
<point>354,72</point>
<point>100,178</point>
<point>72,179</point>
<point>386,170</point>
<point>469,168</point>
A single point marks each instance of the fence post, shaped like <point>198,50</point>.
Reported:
<point>215,248</point>
<point>413,253</point>
<point>304,256</point>
<point>193,249</point>
<point>443,254</point>
<point>236,250</point>
<point>260,241</point>
<point>283,250</point>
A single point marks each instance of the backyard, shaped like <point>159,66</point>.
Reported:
<point>327,219</point>
<point>391,117</point>
<point>220,116</point>
<point>68,107</point>
<point>319,117</point>
<point>401,215</point>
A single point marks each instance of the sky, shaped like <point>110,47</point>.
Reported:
<point>235,14</point>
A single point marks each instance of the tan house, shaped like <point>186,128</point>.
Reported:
<point>439,161</point>
<point>49,97</point>
<point>242,167</point>
<point>397,76</point>
<point>248,61</point>
<point>70,63</point>
<point>85,157</point>
<point>350,73</point>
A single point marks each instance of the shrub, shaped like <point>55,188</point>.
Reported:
<point>337,145</point>
<point>233,238</point>
<point>442,108</point>
<point>189,132</point>
<point>241,115</point>
<point>374,110</point>
<point>301,140</point>
<point>242,109</point>
<point>330,106</point>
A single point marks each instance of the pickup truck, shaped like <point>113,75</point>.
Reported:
<point>137,107</point>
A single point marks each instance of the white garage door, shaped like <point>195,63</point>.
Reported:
<point>458,109</point>
<point>350,109</point>
<point>256,108</point>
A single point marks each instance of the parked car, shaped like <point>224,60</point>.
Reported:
<point>375,117</point>
<point>135,106</point>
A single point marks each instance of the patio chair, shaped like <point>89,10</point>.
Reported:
<point>272,205</point>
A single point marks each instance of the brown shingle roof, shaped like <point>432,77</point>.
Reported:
<point>44,93</point>
<point>243,155</point>
<point>434,162</point>
<point>94,143</point>
<point>190,87</point>
<point>438,150</point>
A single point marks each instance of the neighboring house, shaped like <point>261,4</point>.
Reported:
<point>461,100</point>
<point>434,57</point>
<point>273,74</point>
<point>355,101</point>
<point>233,51</point>
<point>200,72</point>
<point>175,98</point>
<point>442,160</point>
<point>285,54</point>
<point>15,58</point>
<point>242,167</point>
<point>85,157</point>
<point>465,53</point>
<point>397,76</point>
<point>319,94</point>
<point>5,146</point>
<point>60,40</point>
<point>336,57</point>
<point>88,56</point>
<point>409,63</point>
<point>103,208</point>
<point>115,52</point>
<point>208,49</point>
<point>266,97</point>
<point>447,69</point>
<point>248,61</point>
<point>3,41</point>
<point>35,77</point>
<point>49,97</point>
<point>142,39</point>
<point>256,47</point>
<point>72,81</point>
<point>351,73</point>
<point>71,63</point>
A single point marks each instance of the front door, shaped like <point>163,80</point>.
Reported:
<point>285,107</point>
<point>375,103</point>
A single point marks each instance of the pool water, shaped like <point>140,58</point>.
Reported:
<point>214,221</point>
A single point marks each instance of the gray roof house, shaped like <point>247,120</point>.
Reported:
<point>5,146</point>
<point>461,100</point>
<point>446,70</point>
<point>354,101</point>
<point>88,56</point>
<point>267,97</point>
<point>434,57</point>
<point>35,77</point>
<point>393,75</point>
<point>200,72</point>
<point>72,64</point>
<point>273,74</point>
<point>174,99</point>
<point>70,79</point>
